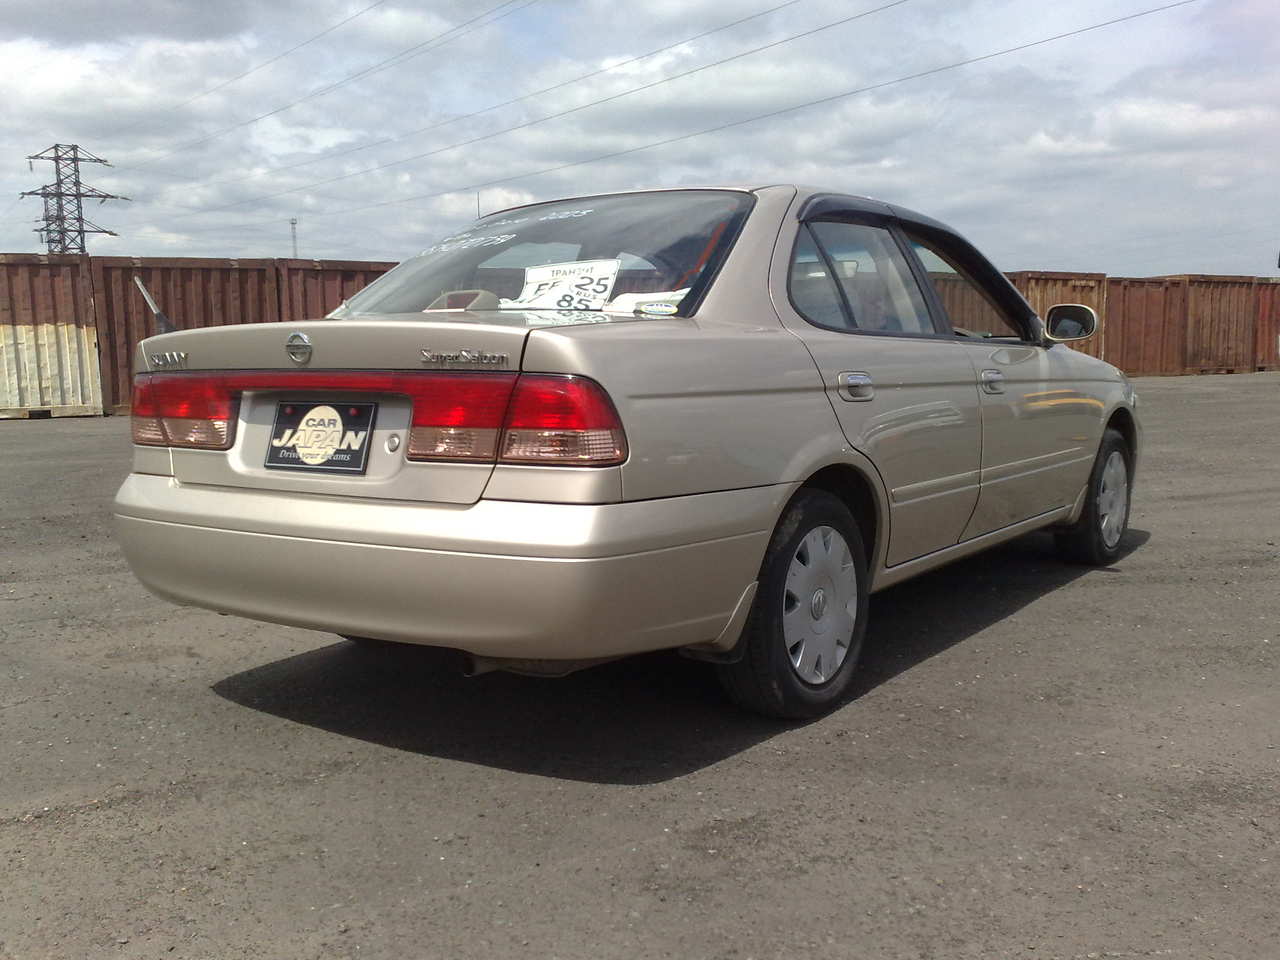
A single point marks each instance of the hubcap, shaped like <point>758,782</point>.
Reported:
<point>1113,499</point>
<point>819,605</point>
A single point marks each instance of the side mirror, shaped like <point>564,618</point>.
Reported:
<point>1070,321</point>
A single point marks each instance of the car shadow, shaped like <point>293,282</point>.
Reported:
<point>928,614</point>
<point>641,720</point>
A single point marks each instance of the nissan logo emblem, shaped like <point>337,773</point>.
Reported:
<point>298,346</point>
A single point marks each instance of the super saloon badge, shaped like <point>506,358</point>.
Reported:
<point>322,438</point>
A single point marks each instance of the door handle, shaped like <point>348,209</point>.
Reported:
<point>992,381</point>
<point>856,386</point>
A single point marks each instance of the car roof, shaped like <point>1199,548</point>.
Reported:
<point>732,187</point>
<point>735,188</point>
<point>810,195</point>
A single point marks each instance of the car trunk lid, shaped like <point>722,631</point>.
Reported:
<point>323,405</point>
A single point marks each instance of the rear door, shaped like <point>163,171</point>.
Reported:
<point>902,389</point>
<point>1039,427</point>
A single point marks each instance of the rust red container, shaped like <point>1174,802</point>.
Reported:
<point>1147,332</point>
<point>1266,354</point>
<point>69,325</point>
<point>48,343</point>
<point>191,292</point>
<point>311,288</point>
<point>1043,288</point>
<point>1222,313</point>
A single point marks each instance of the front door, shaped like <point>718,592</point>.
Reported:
<point>904,392</point>
<point>1039,429</point>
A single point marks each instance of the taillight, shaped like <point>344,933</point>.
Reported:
<point>458,417</point>
<point>182,410</point>
<point>562,420</point>
<point>526,418</point>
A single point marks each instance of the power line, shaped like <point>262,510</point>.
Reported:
<point>933,71</point>
<point>252,70</point>
<point>562,113</point>
<point>1257,230</point>
<point>497,106</point>
<point>393,61</point>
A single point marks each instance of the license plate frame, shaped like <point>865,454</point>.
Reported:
<point>321,436</point>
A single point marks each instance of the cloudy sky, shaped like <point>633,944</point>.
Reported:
<point>1141,148</point>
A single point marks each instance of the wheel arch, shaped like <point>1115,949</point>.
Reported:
<point>1122,421</point>
<point>865,500</point>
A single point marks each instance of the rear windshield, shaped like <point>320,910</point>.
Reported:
<point>650,254</point>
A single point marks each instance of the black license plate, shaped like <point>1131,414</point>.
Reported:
<point>321,437</point>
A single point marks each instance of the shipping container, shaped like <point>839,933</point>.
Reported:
<point>1043,288</point>
<point>1266,355</point>
<point>1146,335</point>
<point>48,343</point>
<point>311,288</point>
<point>191,292</point>
<point>1222,313</point>
<point>69,325</point>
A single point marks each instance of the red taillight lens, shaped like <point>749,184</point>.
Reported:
<point>562,420</point>
<point>146,421</point>
<point>183,410</point>
<point>507,417</point>
<point>458,416</point>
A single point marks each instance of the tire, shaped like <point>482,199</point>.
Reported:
<point>811,604</point>
<point>1095,538</point>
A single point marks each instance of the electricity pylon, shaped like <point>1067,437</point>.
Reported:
<point>64,223</point>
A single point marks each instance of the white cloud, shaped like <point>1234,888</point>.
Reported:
<point>1117,150</point>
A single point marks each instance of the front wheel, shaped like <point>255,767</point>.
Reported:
<point>1094,539</point>
<point>810,613</point>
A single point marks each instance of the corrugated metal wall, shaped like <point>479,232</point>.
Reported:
<point>48,344</point>
<point>1043,288</point>
<point>1147,331</point>
<point>1221,315</point>
<point>966,307</point>
<point>311,288</point>
<point>1267,333</point>
<point>191,292</point>
<point>51,307</point>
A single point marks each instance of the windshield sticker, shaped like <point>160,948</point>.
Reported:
<point>578,285</point>
<point>463,242</point>
<point>658,309</point>
<point>565,215</point>
<point>651,303</point>
<point>505,223</point>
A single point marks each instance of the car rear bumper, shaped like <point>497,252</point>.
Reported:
<point>496,578</point>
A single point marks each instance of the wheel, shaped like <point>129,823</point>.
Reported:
<point>1095,537</point>
<point>802,638</point>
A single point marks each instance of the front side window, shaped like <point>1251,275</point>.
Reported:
<point>969,307</point>
<point>647,253</point>
<point>873,290</point>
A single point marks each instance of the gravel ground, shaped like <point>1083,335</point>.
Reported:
<point>1043,761</point>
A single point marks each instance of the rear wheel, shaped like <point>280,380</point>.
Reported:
<point>1094,539</point>
<point>802,638</point>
